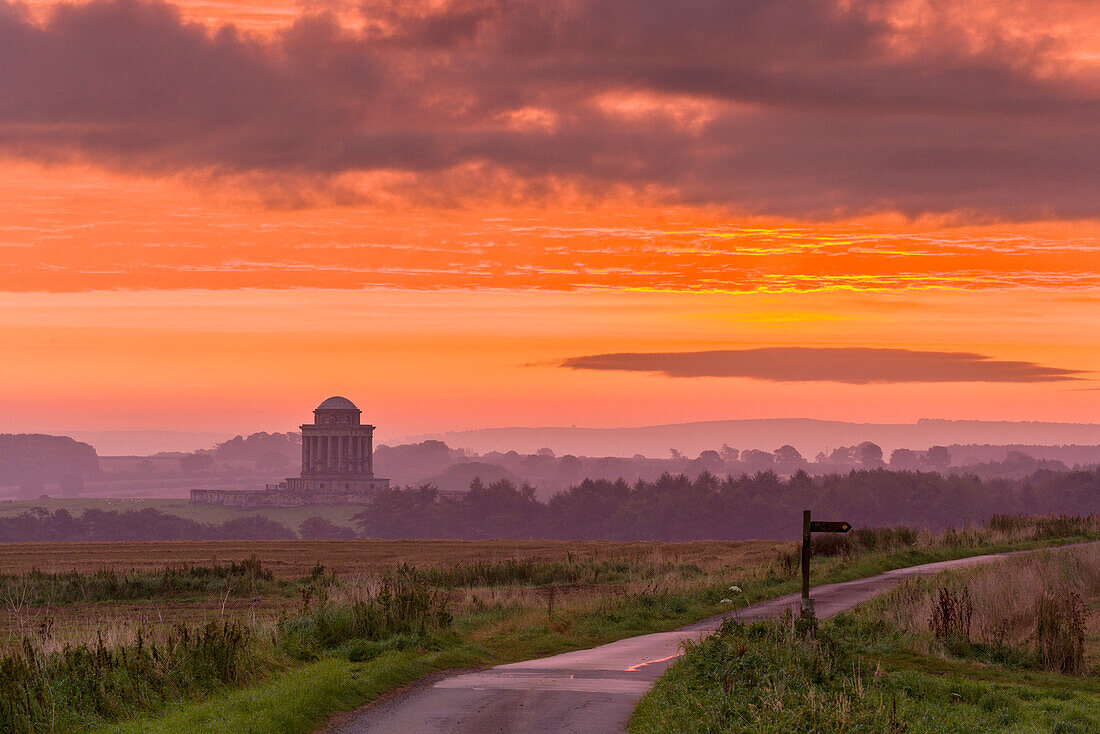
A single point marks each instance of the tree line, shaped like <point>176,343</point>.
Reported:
<point>42,526</point>
<point>674,507</point>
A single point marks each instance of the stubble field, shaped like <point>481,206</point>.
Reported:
<point>349,558</point>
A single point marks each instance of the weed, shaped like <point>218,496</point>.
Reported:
<point>1060,632</point>
<point>951,616</point>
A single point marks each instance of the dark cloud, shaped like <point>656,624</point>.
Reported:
<point>855,365</point>
<point>813,107</point>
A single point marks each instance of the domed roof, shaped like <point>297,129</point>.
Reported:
<point>337,403</point>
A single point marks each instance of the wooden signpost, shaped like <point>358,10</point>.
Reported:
<point>808,527</point>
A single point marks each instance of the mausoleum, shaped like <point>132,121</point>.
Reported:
<point>337,465</point>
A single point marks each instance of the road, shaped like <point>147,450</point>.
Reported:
<point>589,691</point>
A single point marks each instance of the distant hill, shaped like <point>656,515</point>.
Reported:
<point>145,443</point>
<point>807,435</point>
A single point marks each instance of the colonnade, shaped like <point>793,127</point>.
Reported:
<point>331,454</point>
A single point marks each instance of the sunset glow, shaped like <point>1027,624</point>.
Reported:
<point>432,206</point>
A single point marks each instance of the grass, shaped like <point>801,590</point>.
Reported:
<point>300,699</point>
<point>530,572</point>
<point>760,678</point>
<point>485,603</point>
<point>1040,611</point>
<point>896,665</point>
<point>367,622</point>
<point>38,588</point>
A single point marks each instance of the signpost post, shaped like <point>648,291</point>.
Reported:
<point>808,528</point>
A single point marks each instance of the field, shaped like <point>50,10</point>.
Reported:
<point>289,562</point>
<point>349,558</point>
<point>191,634</point>
<point>292,517</point>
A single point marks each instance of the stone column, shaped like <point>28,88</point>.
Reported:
<point>305,454</point>
<point>353,445</point>
<point>370,453</point>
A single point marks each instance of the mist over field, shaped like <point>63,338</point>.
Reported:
<point>809,436</point>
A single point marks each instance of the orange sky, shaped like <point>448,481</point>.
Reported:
<point>136,296</point>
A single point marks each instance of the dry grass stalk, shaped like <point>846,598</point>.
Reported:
<point>1038,602</point>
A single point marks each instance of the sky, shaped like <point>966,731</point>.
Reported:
<point>475,213</point>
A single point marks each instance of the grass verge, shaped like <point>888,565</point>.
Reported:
<point>760,678</point>
<point>965,651</point>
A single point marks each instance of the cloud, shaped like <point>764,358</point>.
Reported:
<point>795,107</point>
<point>854,365</point>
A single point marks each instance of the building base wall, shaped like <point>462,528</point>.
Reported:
<point>332,483</point>
<point>296,492</point>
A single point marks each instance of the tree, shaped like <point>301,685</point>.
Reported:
<point>756,460</point>
<point>256,445</point>
<point>708,461</point>
<point>197,463</point>
<point>272,462</point>
<point>938,458</point>
<point>33,459</point>
<point>904,460</point>
<point>869,455</point>
<point>728,453</point>
<point>788,459</point>
<point>843,456</point>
